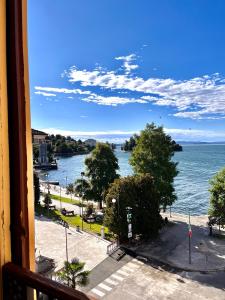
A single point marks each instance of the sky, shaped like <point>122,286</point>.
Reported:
<point>103,69</point>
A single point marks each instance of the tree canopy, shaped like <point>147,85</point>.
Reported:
<point>152,154</point>
<point>37,191</point>
<point>73,274</point>
<point>217,199</point>
<point>101,167</point>
<point>139,193</point>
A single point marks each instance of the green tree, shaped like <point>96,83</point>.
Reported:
<point>152,154</point>
<point>35,152</point>
<point>82,187</point>
<point>139,193</point>
<point>70,190</point>
<point>72,274</point>
<point>36,190</point>
<point>217,199</point>
<point>101,167</point>
<point>47,199</point>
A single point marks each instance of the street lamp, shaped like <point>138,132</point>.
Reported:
<point>60,198</point>
<point>46,174</point>
<point>114,202</point>
<point>82,195</point>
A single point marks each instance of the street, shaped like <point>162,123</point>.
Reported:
<point>136,280</point>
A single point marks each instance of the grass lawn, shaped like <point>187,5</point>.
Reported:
<point>67,200</point>
<point>73,221</point>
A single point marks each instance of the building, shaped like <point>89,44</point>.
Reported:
<point>38,136</point>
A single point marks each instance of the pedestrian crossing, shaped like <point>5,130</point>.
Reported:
<point>116,278</point>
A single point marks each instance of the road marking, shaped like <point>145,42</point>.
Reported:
<point>130,264</point>
<point>108,280</point>
<point>117,277</point>
<point>127,268</point>
<point>97,292</point>
<point>122,272</point>
<point>105,287</point>
<point>137,261</point>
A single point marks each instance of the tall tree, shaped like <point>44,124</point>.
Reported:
<point>70,190</point>
<point>217,199</point>
<point>73,274</point>
<point>82,187</point>
<point>36,190</point>
<point>152,154</point>
<point>101,167</point>
<point>139,193</point>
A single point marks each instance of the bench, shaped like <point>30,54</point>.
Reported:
<point>52,207</point>
<point>67,212</point>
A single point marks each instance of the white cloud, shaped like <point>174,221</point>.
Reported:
<point>45,94</point>
<point>83,116</point>
<point>197,98</point>
<point>112,101</point>
<point>119,136</point>
<point>128,64</point>
<point>60,90</point>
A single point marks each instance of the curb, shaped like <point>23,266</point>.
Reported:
<point>166,265</point>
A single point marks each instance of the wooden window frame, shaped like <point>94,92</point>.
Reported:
<point>19,131</point>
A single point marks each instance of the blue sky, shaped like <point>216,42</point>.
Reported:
<point>104,69</point>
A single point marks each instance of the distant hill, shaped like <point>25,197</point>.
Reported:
<point>200,143</point>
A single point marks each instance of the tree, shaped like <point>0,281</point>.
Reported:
<point>70,190</point>
<point>139,193</point>
<point>82,187</point>
<point>101,167</point>
<point>47,199</point>
<point>217,199</point>
<point>35,152</point>
<point>73,274</point>
<point>36,190</point>
<point>152,154</point>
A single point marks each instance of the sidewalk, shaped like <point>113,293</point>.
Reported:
<point>172,246</point>
<point>50,241</point>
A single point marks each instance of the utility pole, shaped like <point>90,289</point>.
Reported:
<point>82,195</point>
<point>189,236</point>
<point>60,198</point>
<point>67,259</point>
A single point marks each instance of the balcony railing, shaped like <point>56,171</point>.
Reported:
<point>19,283</point>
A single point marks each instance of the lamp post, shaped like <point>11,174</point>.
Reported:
<point>82,195</point>
<point>114,201</point>
<point>60,198</point>
<point>46,174</point>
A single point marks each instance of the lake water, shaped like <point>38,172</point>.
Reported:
<point>197,164</point>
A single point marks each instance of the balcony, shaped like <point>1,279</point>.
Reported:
<point>20,283</point>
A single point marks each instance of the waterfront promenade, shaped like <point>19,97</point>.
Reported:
<point>172,245</point>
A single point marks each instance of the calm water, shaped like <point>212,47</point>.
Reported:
<point>197,164</point>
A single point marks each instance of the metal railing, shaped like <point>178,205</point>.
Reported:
<point>112,247</point>
<point>20,283</point>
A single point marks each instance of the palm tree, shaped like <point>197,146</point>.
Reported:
<point>82,187</point>
<point>70,190</point>
<point>73,274</point>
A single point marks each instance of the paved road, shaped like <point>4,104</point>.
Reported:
<point>134,280</point>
